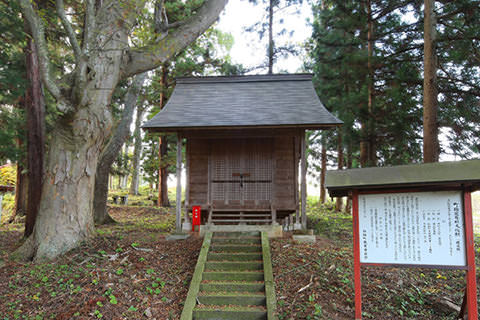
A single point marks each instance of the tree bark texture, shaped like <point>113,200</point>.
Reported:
<point>137,152</point>
<point>323,170</point>
<point>270,38</point>
<point>163,200</point>
<point>339,202</point>
<point>111,150</point>
<point>368,155</point>
<point>430,90</point>
<point>372,157</point>
<point>21,194</point>
<point>83,96</point>
<point>35,113</point>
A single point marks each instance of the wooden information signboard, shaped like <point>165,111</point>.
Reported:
<point>421,228</point>
<point>412,216</point>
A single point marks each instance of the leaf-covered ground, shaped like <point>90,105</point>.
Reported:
<point>315,281</point>
<point>129,271</point>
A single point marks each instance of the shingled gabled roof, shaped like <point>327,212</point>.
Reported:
<point>260,101</point>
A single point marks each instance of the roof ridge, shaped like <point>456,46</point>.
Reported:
<point>247,78</point>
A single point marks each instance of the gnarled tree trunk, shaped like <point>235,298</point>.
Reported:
<point>65,218</point>
<point>83,96</point>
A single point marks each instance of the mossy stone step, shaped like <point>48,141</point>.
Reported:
<point>220,313</point>
<point>233,275</point>
<point>231,299</point>
<point>250,240</point>
<point>235,234</point>
<point>236,265</point>
<point>228,286</point>
<point>219,256</point>
<point>235,248</point>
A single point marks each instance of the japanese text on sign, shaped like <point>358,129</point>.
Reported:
<point>424,228</point>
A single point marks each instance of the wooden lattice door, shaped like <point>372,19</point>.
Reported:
<point>241,173</point>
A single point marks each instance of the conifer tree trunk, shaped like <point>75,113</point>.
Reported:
<point>21,194</point>
<point>35,113</point>
<point>270,38</point>
<point>137,153</point>
<point>163,146</point>
<point>323,171</point>
<point>430,93</point>
<point>348,206</point>
<point>339,202</point>
<point>372,157</point>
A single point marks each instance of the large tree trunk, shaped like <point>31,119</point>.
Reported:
<point>35,112</point>
<point>137,153</point>
<point>430,94</point>
<point>111,151</point>
<point>65,216</point>
<point>83,96</point>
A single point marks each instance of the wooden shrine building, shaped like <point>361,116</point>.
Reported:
<point>245,138</point>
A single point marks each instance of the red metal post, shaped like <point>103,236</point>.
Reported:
<point>471,276</point>
<point>196,216</point>
<point>356,258</point>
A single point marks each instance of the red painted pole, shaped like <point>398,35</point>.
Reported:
<point>469,241</point>
<point>356,258</point>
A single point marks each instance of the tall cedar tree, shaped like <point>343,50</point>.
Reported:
<point>366,74</point>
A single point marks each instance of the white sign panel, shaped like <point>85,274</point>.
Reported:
<point>424,228</point>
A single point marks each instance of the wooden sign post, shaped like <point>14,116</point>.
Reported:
<point>415,220</point>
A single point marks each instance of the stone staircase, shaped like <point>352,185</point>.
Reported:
<point>233,278</point>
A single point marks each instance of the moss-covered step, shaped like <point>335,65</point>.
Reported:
<point>256,275</point>
<point>229,313</point>
<point>236,234</point>
<point>249,256</point>
<point>235,248</point>
<point>227,240</point>
<point>231,286</point>
<point>231,298</point>
<point>233,266</point>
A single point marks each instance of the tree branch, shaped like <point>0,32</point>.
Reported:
<point>68,28</point>
<point>38,33</point>
<point>90,24</point>
<point>150,57</point>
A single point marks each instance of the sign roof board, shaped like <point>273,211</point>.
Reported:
<point>438,174</point>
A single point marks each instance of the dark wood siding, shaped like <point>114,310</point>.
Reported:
<point>262,158</point>
<point>198,150</point>
<point>285,162</point>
